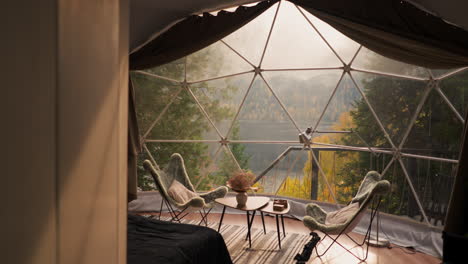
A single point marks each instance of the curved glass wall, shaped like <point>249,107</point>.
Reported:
<point>366,112</point>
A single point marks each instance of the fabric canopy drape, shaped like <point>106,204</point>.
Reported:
<point>134,144</point>
<point>452,11</point>
<point>188,36</point>
<point>395,29</point>
<point>192,34</point>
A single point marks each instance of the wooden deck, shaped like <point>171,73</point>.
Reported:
<point>336,254</point>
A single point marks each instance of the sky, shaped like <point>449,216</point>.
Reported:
<point>294,43</point>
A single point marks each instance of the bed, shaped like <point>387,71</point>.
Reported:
<point>154,241</point>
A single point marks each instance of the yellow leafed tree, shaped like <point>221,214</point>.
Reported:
<point>330,162</point>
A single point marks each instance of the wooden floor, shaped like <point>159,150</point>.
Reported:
<point>336,254</point>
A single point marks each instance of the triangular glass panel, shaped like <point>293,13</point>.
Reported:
<point>456,89</point>
<point>221,98</point>
<point>285,177</point>
<point>183,120</point>
<point>345,170</point>
<point>394,100</point>
<point>197,157</point>
<point>321,171</point>
<point>433,182</point>
<point>437,132</point>
<point>145,181</point>
<point>349,121</point>
<point>173,70</point>
<point>262,117</point>
<point>257,157</point>
<point>433,185</point>
<point>250,39</point>
<point>216,60</point>
<point>344,46</point>
<point>304,93</point>
<point>151,96</point>
<point>295,44</point>
<point>369,60</point>
<point>401,200</point>
<point>221,169</point>
<point>242,154</point>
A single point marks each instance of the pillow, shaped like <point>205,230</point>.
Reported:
<point>180,193</point>
<point>341,216</point>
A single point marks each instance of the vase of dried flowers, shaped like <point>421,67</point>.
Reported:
<point>241,199</point>
<point>241,182</point>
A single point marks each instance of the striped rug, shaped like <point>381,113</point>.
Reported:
<point>264,246</point>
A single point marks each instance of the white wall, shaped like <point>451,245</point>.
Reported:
<point>64,121</point>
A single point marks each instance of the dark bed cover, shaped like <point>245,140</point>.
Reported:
<point>159,242</point>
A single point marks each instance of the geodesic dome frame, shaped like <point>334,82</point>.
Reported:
<point>346,69</point>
